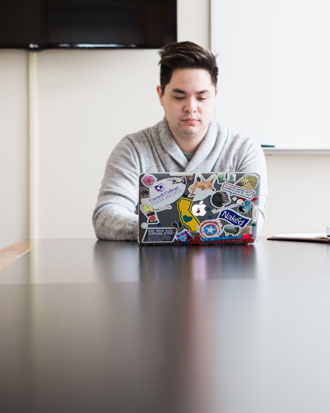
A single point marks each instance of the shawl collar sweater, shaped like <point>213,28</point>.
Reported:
<point>155,150</point>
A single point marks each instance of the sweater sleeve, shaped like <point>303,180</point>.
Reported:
<point>115,217</point>
<point>253,159</point>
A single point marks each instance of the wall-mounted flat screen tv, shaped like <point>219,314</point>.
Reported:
<point>40,24</point>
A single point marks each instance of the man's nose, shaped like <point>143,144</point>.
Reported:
<point>191,106</point>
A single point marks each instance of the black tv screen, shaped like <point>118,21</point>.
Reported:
<point>40,24</point>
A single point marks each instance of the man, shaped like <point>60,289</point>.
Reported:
<point>187,139</point>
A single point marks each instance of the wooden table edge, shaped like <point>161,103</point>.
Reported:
<point>14,251</point>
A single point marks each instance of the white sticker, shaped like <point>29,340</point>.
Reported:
<point>238,190</point>
<point>166,191</point>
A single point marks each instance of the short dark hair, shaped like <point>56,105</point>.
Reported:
<point>185,55</point>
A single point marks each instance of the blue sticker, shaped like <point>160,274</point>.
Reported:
<point>233,218</point>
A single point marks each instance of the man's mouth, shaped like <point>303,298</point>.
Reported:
<point>190,120</point>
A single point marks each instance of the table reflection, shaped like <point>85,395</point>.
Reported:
<point>130,262</point>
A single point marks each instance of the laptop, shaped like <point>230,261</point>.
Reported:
<point>185,208</point>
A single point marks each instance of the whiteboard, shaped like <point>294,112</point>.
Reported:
<point>274,70</point>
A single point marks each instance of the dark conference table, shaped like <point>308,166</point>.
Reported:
<point>95,326</point>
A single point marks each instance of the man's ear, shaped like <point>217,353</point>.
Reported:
<point>160,93</point>
<point>216,92</point>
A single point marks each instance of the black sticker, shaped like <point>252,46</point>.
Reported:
<point>159,235</point>
<point>144,192</point>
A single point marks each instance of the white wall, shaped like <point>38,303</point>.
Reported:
<point>85,102</point>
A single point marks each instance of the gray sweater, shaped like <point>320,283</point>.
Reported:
<point>155,150</point>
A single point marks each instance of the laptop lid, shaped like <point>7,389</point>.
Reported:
<point>198,208</point>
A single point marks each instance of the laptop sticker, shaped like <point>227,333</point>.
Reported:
<point>219,199</point>
<point>165,192</point>
<point>183,234</point>
<point>244,206</point>
<point>159,235</point>
<point>246,230</point>
<point>199,209</point>
<point>201,188</point>
<point>234,218</point>
<point>148,180</point>
<point>186,215</point>
<point>210,229</point>
<point>231,178</point>
<point>221,178</point>
<point>149,211</point>
<point>238,190</point>
<point>231,230</point>
<point>248,181</point>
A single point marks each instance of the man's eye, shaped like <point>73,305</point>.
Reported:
<point>201,98</point>
<point>178,97</point>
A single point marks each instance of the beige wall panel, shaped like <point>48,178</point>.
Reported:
<point>87,101</point>
<point>13,147</point>
<point>298,193</point>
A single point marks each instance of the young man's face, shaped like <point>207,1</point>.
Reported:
<point>188,103</point>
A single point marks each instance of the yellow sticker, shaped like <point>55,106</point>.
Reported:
<point>185,214</point>
<point>248,182</point>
